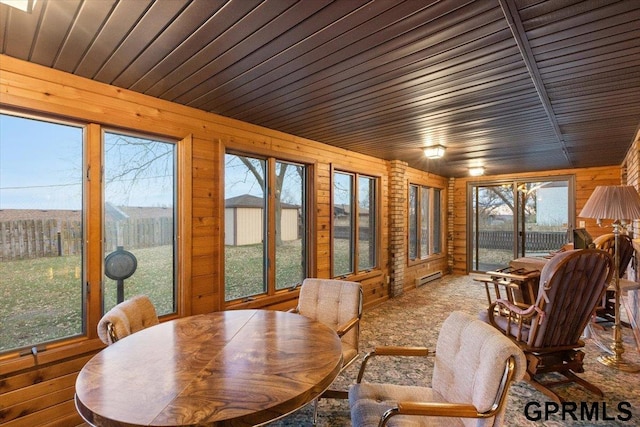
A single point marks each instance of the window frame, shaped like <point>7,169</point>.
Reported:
<point>269,218</point>
<point>93,235</point>
<point>355,221</point>
<point>40,346</point>
<point>176,200</point>
<point>435,220</point>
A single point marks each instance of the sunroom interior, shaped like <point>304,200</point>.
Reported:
<point>233,148</point>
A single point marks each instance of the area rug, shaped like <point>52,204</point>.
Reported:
<point>414,318</point>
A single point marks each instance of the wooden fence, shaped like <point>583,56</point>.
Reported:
<point>344,232</point>
<point>24,239</point>
<point>535,240</point>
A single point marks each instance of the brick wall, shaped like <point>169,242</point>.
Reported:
<point>398,216</point>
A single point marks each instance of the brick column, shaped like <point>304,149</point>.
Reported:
<point>397,223</point>
<point>450,220</point>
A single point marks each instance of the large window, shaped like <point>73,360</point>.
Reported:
<point>425,221</point>
<point>41,231</point>
<point>354,223</point>
<point>265,222</point>
<point>517,218</point>
<point>139,220</point>
<point>81,209</point>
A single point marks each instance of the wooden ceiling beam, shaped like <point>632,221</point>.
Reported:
<point>512,16</point>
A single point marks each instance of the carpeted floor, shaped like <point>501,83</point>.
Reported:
<point>415,319</point>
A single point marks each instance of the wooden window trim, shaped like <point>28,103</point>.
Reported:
<point>272,295</point>
<point>54,351</point>
<point>356,173</point>
<point>431,256</point>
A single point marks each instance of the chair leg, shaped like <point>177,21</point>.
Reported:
<point>565,363</point>
<point>544,390</point>
<point>584,383</point>
<point>328,394</point>
<point>544,387</point>
<point>315,410</point>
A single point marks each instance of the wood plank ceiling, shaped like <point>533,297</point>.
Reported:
<point>514,85</point>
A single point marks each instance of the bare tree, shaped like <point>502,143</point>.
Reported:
<point>136,164</point>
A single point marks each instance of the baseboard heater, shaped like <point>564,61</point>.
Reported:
<point>428,278</point>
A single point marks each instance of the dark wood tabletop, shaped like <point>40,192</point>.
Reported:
<point>243,367</point>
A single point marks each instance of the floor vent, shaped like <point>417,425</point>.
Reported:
<point>428,278</point>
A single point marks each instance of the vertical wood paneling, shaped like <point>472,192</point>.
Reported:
<point>39,89</point>
<point>632,174</point>
<point>437,262</point>
<point>35,88</point>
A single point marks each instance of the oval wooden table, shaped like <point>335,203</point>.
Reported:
<point>243,367</point>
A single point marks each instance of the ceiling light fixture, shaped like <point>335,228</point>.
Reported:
<point>476,171</point>
<point>434,151</point>
<point>23,5</point>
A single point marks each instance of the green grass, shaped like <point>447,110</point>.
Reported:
<point>244,268</point>
<point>153,277</point>
<point>41,298</point>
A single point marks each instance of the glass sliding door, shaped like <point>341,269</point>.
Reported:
<point>493,213</point>
<point>511,219</point>
<point>543,207</point>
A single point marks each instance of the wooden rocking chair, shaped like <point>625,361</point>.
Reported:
<point>571,286</point>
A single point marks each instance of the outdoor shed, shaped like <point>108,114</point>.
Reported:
<point>243,221</point>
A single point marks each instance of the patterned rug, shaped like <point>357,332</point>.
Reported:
<point>415,318</point>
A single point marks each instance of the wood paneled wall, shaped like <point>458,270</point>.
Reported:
<point>436,262</point>
<point>585,182</point>
<point>631,174</point>
<point>38,391</point>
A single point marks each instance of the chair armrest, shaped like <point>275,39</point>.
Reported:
<point>343,329</point>
<point>401,351</point>
<point>521,310</point>
<point>432,409</point>
<point>514,314</point>
<point>437,409</point>
<point>391,351</point>
<point>503,305</point>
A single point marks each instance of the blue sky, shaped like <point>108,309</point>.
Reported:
<point>40,165</point>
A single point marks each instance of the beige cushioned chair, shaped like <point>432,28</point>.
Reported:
<point>126,318</point>
<point>473,369</point>
<point>337,304</point>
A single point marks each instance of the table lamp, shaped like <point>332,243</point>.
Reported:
<point>621,203</point>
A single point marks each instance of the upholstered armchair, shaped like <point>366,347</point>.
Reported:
<point>549,332</point>
<point>337,304</point>
<point>126,318</point>
<point>473,369</point>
